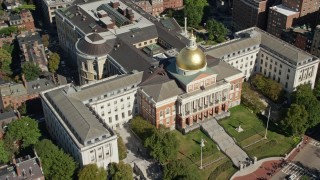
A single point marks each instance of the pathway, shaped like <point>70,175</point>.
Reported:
<point>224,141</point>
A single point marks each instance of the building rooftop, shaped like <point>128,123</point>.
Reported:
<point>8,115</point>
<point>283,10</point>
<point>57,2</point>
<point>257,37</point>
<point>71,104</point>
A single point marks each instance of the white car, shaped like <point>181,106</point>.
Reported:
<point>292,177</point>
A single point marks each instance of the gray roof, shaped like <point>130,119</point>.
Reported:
<point>224,70</point>
<point>80,120</point>
<point>163,90</point>
<point>29,38</point>
<point>39,85</point>
<point>12,89</point>
<point>95,49</point>
<point>256,36</point>
<point>101,88</point>
<point>69,103</point>
<point>139,35</point>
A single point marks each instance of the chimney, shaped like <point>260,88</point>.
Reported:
<point>115,4</point>
<point>24,81</point>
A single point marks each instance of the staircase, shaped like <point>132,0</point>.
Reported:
<point>225,142</point>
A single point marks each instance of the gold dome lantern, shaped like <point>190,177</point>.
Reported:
<point>191,57</point>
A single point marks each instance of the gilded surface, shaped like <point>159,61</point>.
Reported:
<point>191,59</point>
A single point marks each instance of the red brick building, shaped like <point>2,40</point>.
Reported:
<point>27,20</point>
<point>156,7</point>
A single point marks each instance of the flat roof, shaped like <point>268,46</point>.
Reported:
<point>283,10</point>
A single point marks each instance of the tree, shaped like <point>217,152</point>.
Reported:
<point>45,40</point>
<point>53,62</point>
<point>142,127</point>
<point>295,122</point>
<point>305,96</point>
<point>56,164</point>
<point>23,132</point>
<point>5,61</point>
<point>4,154</point>
<point>275,91</point>
<point>8,30</point>
<point>120,171</point>
<point>31,71</point>
<point>216,30</point>
<point>163,145</point>
<point>179,169</point>
<point>122,149</point>
<point>251,99</point>
<point>316,90</point>
<point>193,10</point>
<point>23,108</point>
<point>92,172</point>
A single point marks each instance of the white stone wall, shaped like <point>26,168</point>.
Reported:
<point>118,107</point>
<point>101,152</point>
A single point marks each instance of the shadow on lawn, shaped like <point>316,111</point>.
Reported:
<point>272,125</point>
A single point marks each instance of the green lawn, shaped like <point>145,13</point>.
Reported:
<point>254,129</point>
<point>190,151</point>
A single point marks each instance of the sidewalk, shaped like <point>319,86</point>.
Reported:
<point>266,168</point>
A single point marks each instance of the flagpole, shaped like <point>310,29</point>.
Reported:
<point>265,135</point>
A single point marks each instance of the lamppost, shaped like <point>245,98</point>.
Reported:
<point>201,145</point>
<point>265,135</point>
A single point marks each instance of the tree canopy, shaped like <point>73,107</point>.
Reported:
<point>53,62</point>
<point>296,120</point>
<point>142,127</point>
<point>4,154</point>
<point>5,61</point>
<point>45,40</point>
<point>163,145</point>
<point>251,99</point>
<point>216,31</point>
<point>8,30</point>
<point>305,96</point>
<point>31,71</point>
<point>275,91</point>
<point>92,172</point>
<point>121,148</point>
<point>179,169</point>
<point>194,10</point>
<point>23,132</point>
<point>120,171</point>
<point>56,164</point>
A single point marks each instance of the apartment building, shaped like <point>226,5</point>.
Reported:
<point>315,47</point>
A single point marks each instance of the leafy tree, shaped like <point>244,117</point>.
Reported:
<point>4,154</point>
<point>251,99</point>
<point>23,108</point>
<point>216,30</point>
<point>8,47</point>
<point>56,164</point>
<point>45,40</point>
<point>179,170</point>
<point>92,172</point>
<point>163,145</point>
<point>296,120</point>
<point>305,96</point>
<point>31,71</point>
<point>53,62</point>
<point>194,10</point>
<point>142,128</point>
<point>122,149</point>
<point>275,91</point>
<point>316,90</point>
<point>5,61</point>
<point>120,171</point>
<point>8,30</point>
<point>23,132</point>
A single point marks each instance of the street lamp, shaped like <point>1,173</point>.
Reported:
<point>265,135</point>
<point>201,145</point>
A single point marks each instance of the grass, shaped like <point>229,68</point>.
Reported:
<point>190,151</point>
<point>254,129</point>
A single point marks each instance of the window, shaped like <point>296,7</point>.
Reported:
<point>110,119</point>
<point>161,114</point>
<point>116,117</point>
<point>128,97</point>
<point>123,116</point>
<point>167,110</point>
<point>115,102</point>
<point>102,107</point>
<point>121,100</point>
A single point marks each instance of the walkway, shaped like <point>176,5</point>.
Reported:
<point>224,141</point>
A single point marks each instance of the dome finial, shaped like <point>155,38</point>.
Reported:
<point>192,41</point>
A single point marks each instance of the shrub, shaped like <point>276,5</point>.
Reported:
<point>122,148</point>
<point>142,128</point>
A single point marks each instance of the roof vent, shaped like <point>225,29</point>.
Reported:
<point>132,35</point>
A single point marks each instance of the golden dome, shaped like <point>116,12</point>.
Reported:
<point>191,57</point>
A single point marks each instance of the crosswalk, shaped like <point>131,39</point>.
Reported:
<point>298,171</point>
<point>314,143</point>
